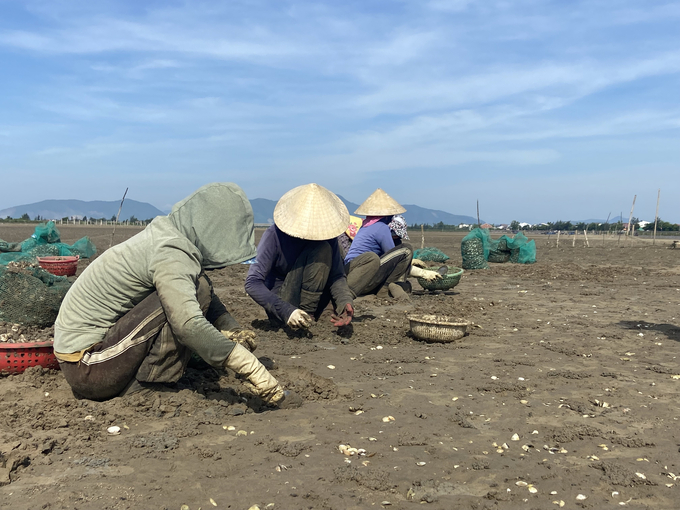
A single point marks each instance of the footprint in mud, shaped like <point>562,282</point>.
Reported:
<point>309,385</point>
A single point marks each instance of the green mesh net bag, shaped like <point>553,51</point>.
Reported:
<point>430,255</point>
<point>522,250</point>
<point>478,247</point>
<point>475,249</point>
<point>30,295</point>
<point>499,251</point>
<point>45,242</point>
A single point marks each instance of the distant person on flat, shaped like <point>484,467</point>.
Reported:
<point>135,315</point>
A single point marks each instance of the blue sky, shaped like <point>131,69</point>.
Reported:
<point>542,110</point>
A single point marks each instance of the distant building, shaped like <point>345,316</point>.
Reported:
<point>487,225</point>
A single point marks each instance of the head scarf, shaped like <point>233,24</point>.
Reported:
<point>398,226</point>
<point>353,227</point>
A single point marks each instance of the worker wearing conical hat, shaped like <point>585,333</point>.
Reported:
<point>374,262</point>
<point>298,268</point>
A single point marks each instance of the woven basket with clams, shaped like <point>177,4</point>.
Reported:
<point>446,282</point>
<point>437,328</point>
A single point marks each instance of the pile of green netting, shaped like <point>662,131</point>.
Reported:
<point>478,248</point>
<point>45,242</point>
<point>430,255</point>
<point>29,295</point>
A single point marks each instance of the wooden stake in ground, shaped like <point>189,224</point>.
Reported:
<point>573,242</point>
<point>422,236</point>
<point>479,225</point>
<point>558,240</point>
<point>630,218</point>
<point>656,216</point>
<point>585,233</point>
<point>117,216</point>
<point>606,224</point>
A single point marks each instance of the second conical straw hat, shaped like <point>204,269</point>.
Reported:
<point>379,204</point>
<point>311,212</point>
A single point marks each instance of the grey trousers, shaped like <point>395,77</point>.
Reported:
<point>368,273</point>
<point>139,346</point>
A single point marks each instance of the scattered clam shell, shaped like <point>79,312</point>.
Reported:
<point>515,437</point>
<point>184,507</point>
<point>641,476</point>
<point>420,463</point>
<point>89,417</point>
<point>114,430</point>
<point>533,489</point>
<point>332,367</point>
<point>521,483</point>
<point>553,493</point>
<point>254,507</point>
<point>242,433</point>
<point>388,419</point>
<point>493,377</point>
<point>212,502</point>
<point>523,401</point>
<point>385,503</point>
<point>535,432</point>
<point>581,497</point>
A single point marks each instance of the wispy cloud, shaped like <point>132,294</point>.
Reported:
<point>294,90</point>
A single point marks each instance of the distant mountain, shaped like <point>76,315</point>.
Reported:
<point>57,209</point>
<point>421,215</point>
<point>263,210</point>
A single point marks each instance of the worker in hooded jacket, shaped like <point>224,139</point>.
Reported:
<point>135,315</point>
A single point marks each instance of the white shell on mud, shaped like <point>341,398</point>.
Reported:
<point>113,430</point>
<point>515,437</point>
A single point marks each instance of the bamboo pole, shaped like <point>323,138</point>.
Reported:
<point>573,242</point>
<point>656,216</point>
<point>585,233</point>
<point>558,240</point>
<point>422,236</point>
<point>117,216</point>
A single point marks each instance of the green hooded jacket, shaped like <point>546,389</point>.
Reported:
<point>212,228</point>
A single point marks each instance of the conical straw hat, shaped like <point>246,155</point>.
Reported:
<point>379,204</point>
<point>311,212</point>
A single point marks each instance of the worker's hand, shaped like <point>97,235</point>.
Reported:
<point>431,275</point>
<point>245,337</point>
<point>418,263</point>
<point>299,319</point>
<point>424,273</point>
<point>246,364</point>
<point>283,399</point>
<point>344,318</point>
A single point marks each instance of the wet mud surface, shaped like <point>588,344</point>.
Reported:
<point>565,390</point>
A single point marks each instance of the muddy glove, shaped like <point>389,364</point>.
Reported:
<point>424,273</point>
<point>418,263</point>
<point>246,364</point>
<point>344,318</point>
<point>245,337</point>
<point>299,319</point>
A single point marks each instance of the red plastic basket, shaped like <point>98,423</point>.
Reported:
<point>17,357</point>
<point>60,266</point>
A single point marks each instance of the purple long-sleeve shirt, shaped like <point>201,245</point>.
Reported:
<point>276,255</point>
<point>376,238</point>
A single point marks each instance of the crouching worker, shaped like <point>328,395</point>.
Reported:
<point>379,259</point>
<point>299,269</point>
<point>135,315</point>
